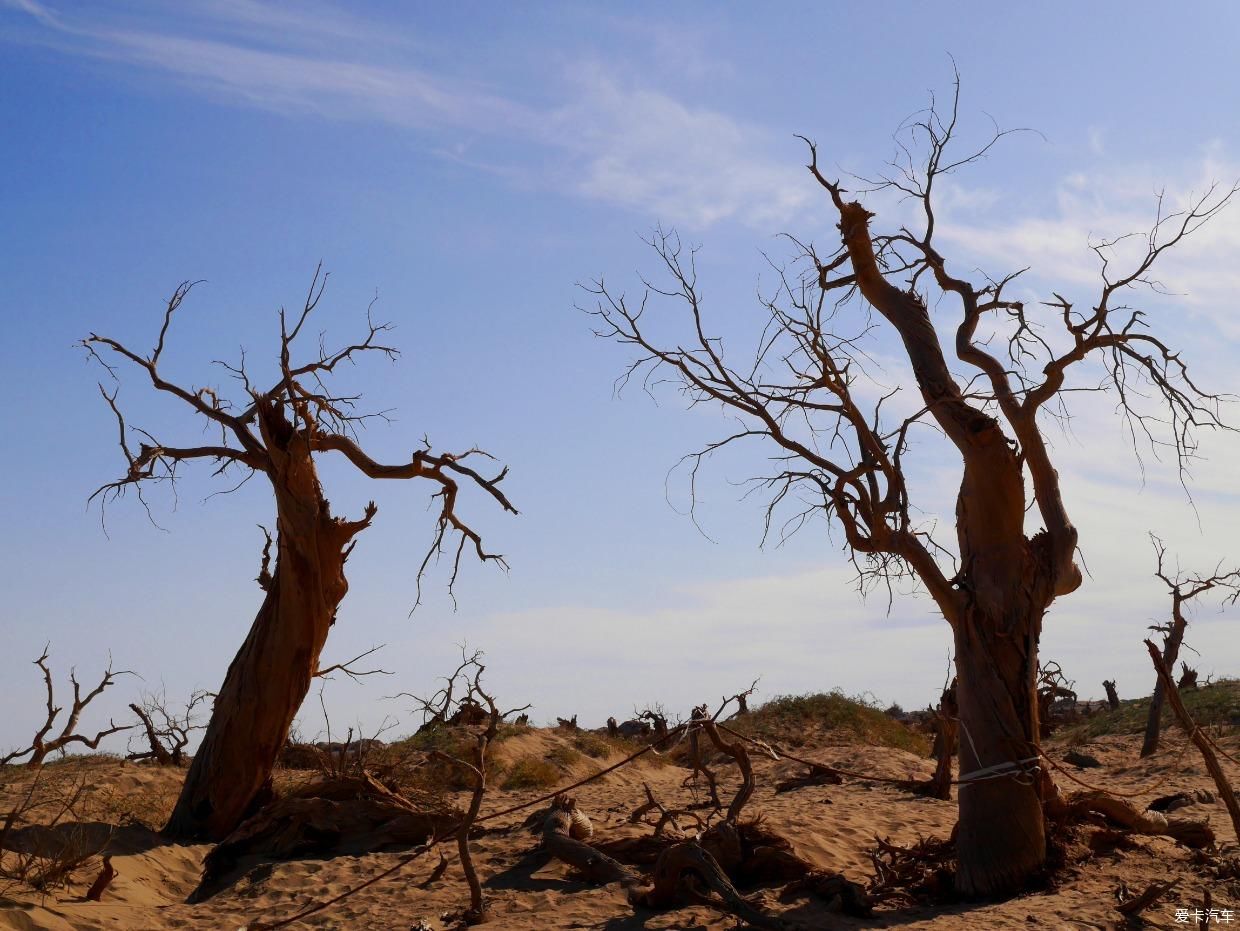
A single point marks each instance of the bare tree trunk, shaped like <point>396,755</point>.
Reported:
<point>1000,838</point>
<point>1170,653</point>
<point>1112,694</point>
<point>270,675</point>
<point>946,740</point>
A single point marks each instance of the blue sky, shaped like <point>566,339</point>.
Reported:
<point>471,163</point>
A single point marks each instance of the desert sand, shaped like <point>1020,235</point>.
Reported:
<point>834,826</point>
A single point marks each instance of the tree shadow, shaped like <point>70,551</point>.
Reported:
<point>71,838</point>
<point>520,877</point>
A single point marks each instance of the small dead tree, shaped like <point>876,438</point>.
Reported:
<point>42,744</point>
<point>946,743</point>
<point>278,432</point>
<point>804,397</point>
<point>1188,677</point>
<point>657,718</point>
<point>742,699</point>
<point>167,733</point>
<point>1056,697</point>
<point>468,676</point>
<point>1112,694</point>
<point>1183,588</point>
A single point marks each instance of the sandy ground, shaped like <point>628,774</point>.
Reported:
<point>834,826</point>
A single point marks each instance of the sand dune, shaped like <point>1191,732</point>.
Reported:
<point>834,826</point>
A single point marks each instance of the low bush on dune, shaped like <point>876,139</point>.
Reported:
<point>563,756</point>
<point>798,719</point>
<point>1210,705</point>
<point>532,772</point>
<point>595,746</point>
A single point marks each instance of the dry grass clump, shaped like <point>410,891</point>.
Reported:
<point>43,847</point>
<point>596,746</point>
<point>532,772</point>
<point>563,756</point>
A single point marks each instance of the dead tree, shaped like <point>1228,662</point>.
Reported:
<point>1055,691</point>
<point>802,396</point>
<point>742,699</point>
<point>1195,734</point>
<point>278,432</point>
<point>42,744</point>
<point>1183,589</point>
<point>167,734</point>
<point>1112,694</point>
<point>1188,677</point>
<point>946,743</point>
<point>469,674</point>
<point>657,718</point>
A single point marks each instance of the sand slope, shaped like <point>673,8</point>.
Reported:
<point>834,826</point>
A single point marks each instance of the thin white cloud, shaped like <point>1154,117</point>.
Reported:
<point>620,144</point>
<point>1091,206</point>
<point>644,149</point>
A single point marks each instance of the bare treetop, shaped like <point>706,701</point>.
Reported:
<point>809,387</point>
<point>325,421</point>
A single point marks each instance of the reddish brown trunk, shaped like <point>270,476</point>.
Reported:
<point>270,675</point>
<point>1007,583</point>
<point>1000,836</point>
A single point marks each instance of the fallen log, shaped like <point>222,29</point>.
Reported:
<point>1194,834</point>
<point>814,776</point>
<point>562,837</point>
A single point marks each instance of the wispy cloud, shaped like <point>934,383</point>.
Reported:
<point>1101,204</point>
<point>617,142</point>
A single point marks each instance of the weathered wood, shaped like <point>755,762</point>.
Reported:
<point>1195,834</point>
<point>558,840</point>
<point>107,873</point>
<point>688,872</point>
<point>1197,737</point>
<point>1112,694</point>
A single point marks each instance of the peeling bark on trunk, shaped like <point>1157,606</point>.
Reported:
<point>1008,583</point>
<point>270,675</point>
<point>1000,836</point>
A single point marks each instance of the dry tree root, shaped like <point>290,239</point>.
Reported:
<point>1132,906</point>
<point>666,815</point>
<point>1076,807</point>
<point>839,893</point>
<point>107,873</point>
<point>563,836</point>
<point>736,750</point>
<point>697,761</point>
<point>688,872</point>
<point>921,874</point>
<point>815,776</point>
